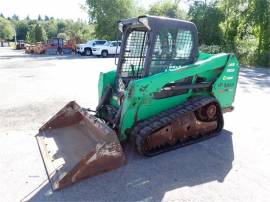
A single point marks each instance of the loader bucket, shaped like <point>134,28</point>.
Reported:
<point>75,145</point>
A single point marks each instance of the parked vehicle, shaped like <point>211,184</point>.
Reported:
<point>54,46</point>
<point>20,45</point>
<point>109,48</point>
<point>86,49</point>
<point>30,49</point>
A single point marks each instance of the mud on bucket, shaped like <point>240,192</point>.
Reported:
<point>75,145</point>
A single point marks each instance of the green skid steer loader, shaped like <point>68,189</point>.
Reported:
<point>163,95</point>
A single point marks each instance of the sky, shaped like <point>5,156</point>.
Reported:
<point>66,9</point>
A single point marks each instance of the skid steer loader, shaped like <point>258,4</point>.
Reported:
<point>163,95</point>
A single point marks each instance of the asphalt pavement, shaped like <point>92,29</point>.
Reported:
<point>235,166</point>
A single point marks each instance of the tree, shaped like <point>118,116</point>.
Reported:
<point>232,15</point>
<point>207,19</point>
<point>36,33</point>
<point>40,33</point>
<point>46,18</point>
<point>63,36</point>
<point>7,30</point>
<point>21,29</point>
<point>31,35</point>
<point>33,31</point>
<point>84,31</point>
<point>247,29</point>
<point>51,28</point>
<point>39,18</point>
<point>167,8</point>
<point>15,17</point>
<point>259,13</point>
<point>105,15</point>
<point>61,26</point>
<point>139,11</point>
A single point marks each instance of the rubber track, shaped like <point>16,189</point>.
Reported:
<point>153,124</point>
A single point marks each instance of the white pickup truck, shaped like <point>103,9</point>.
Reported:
<point>109,48</point>
<point>87,48</point>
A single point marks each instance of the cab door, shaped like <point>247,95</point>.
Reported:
<point>112,47</point>
<point>118,47</point>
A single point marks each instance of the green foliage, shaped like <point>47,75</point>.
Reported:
<point>39,18</point>
<point>6,29</point>
<point>105,15</point>
<point>80,31</point>
<point>15,17</point>
<point>139,11</point>
<point>63,36</point>
<point>40,33</point>
<point>31,35</point>
<point>207,19</point>
<point>212,49</point>
<point>51,28</point>
<point>40,30</point>
<point>61,26</point>
<point>21,29</point>
<point>232,13</point>
<point>247,29</point>
<point>260,12</point>
<point>36,33</point>
<point>46,18</point>
<point>167,8</point>
<point>247,49</point>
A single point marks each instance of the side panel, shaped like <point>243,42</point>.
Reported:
<point>105,79</point>
<point>140,104</point>
<point>225,86</point>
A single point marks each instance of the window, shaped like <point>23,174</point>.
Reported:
<point>114,44</point>
<point>173,48</point>
<point>100,42</point>
<point>133,59</point>
<point>134,55</point>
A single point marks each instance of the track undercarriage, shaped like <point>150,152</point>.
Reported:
<point>196,120</point>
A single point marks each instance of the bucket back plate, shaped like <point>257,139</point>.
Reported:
<point>75,145</point>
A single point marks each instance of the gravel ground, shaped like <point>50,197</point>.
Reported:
<point>231,167</point>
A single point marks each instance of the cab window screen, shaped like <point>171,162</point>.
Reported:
<point>173,48</point>
<point>134,58</point>
<point>135,53</point>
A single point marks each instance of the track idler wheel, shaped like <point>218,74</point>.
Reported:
<point>207,113</point>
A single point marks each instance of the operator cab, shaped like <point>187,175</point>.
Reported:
<point>153,45</point>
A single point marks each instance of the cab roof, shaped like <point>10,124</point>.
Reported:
<point>155,22</point>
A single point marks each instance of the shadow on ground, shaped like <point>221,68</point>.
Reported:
<point>150,178</point>
<point>254,77</point>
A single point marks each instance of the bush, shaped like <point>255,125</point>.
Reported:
<point>211,49</point>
